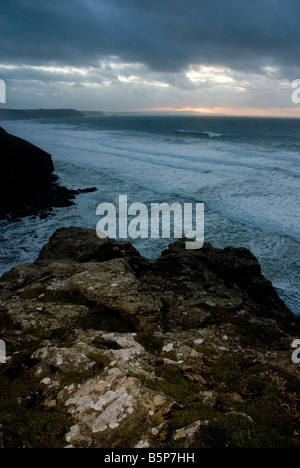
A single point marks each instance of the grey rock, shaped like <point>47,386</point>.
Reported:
<point>125,351</point>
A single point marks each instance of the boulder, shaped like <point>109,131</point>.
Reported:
<point>81,245</point>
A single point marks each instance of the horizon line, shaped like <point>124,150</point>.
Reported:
<point>289,113</point>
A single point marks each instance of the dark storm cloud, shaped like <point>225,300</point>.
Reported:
<point>166,35</point>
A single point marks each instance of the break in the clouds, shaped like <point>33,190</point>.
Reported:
<point>133,54</point>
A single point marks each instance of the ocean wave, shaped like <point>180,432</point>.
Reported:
<point>206,134</point>
<point>213,135</point>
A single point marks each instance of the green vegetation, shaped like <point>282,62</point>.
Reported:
<point>261,418</point>
<point>102,343</point>
<point>102,318</point>
<point>26,421</point>
<point>153,344</point>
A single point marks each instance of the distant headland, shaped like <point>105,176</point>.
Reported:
<point>34,114</point>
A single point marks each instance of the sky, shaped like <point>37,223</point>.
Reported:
<point>235,57</point>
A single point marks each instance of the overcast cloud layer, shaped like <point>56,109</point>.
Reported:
<point>167,53</point>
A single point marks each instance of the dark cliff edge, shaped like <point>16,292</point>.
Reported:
<point>109,349</point>
<point>28,185</point>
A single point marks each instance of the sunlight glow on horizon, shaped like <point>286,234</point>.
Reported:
<point>229,111</point>
<point>112,85</point>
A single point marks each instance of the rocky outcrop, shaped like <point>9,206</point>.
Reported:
<point>108,349</point>
<point>27,183</point>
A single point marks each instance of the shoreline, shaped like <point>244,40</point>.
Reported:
<point>107,169</point>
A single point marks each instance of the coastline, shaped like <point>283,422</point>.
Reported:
<point>146,158</point>
<point>149,227</point>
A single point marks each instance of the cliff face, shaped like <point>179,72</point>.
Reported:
<point>23,165</point>
<point>27,183</point>
<point>109,349</point>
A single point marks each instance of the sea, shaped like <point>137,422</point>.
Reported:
<point>246,171</point>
